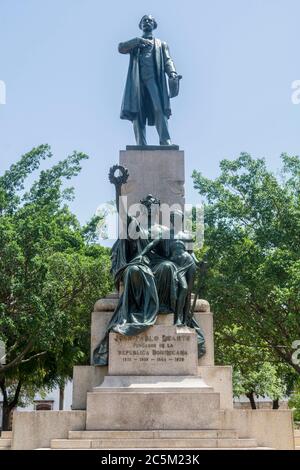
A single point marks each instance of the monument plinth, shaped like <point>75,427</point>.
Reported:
<point>152,403</point>
<point>157,170</point>
<point>161,350</point>
<point>104,309</point>
<point>152,381</point>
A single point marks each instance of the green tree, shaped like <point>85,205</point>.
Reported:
<point>51,273</point>
<point>260,382</point>
<point>256,372</point>
<point>294,402</point>
<point>252,237</point>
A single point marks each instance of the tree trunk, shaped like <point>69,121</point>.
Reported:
<point>275,404</point>
<point>8,406</point>
<point>250,395</point>
<point>6,410</point>
<point>61,396</point>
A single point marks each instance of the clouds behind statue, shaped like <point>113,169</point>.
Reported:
<point>146,97</point>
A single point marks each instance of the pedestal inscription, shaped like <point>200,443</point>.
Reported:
<point>161,350</point>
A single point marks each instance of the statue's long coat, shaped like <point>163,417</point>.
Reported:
<point>132,104</point>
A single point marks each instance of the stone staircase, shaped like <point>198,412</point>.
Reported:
<point>158,439</point>
<point>5,440</point>
<point>297,439</point>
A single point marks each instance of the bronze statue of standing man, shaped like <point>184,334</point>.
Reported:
<point>146,96</point>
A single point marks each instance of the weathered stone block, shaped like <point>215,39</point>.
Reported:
<point>101,318</point>
<point>36,429</point>
<point>270,428</point>
<point>160,350</point>
<point>140,410</point>
<point>156,172</point>
<point>220,379</point>
<point>84,379</point>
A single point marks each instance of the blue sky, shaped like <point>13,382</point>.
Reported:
<point>65,79</point>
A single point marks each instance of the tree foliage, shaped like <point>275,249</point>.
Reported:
<point>51,273</point>
<point>252,244</point>
<point>256,371</point>
<point>294,402</point>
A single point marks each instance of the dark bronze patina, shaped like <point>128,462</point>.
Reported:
<point>157,275</point>
<point>146,96</point>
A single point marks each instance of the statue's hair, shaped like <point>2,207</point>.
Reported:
<point>152,18</point>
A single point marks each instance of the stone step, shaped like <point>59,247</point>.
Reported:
<point>170,448</point>
<point>179,443</point>
<point>297,441</point>
<point>159,434</point>
<point>238,448</point>
<point>6,434</point>
<point>5,443</point>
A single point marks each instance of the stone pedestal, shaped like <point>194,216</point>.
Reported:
<point>85,378</point>
<point>159,403</point>
<point>104,309</point>
<point>159,172</point>
<point>160,350</point>
<point>153,379</point>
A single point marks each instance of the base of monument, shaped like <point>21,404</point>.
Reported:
<point>192,409</point>
<point>151,408</point>
<point>86,378</point>
<point>160,439</point>
<point>67,430</point>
